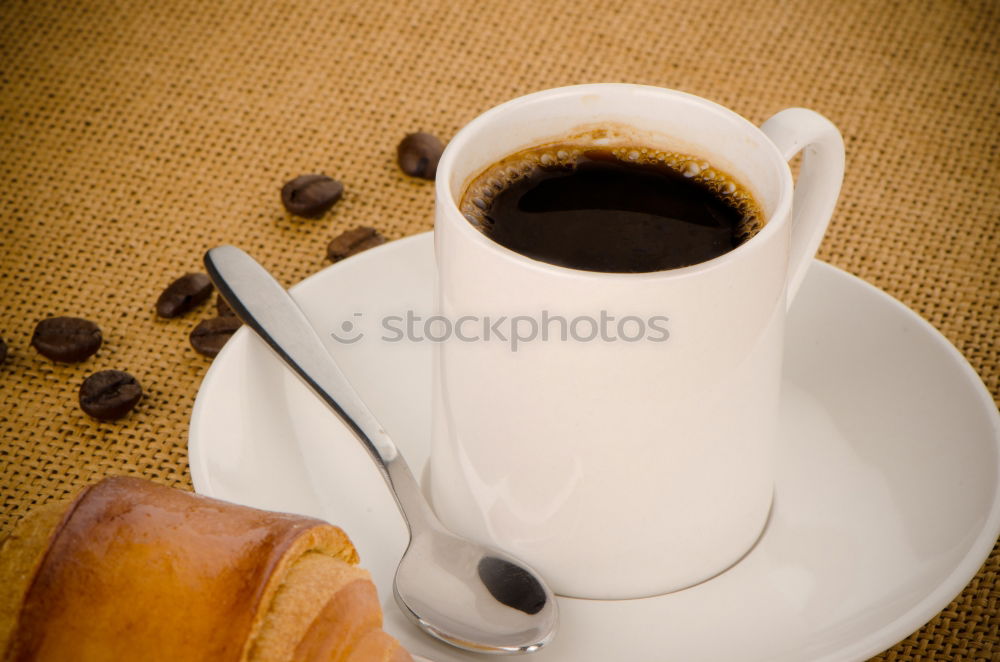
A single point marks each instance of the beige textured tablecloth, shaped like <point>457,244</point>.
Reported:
<point>134,135</point>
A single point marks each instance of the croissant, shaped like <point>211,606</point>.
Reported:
<point>132,570</point>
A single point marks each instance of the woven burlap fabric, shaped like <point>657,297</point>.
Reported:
<point>137,134</point>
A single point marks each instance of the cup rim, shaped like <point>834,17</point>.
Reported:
<point>453,215</point>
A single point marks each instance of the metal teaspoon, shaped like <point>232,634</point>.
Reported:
<point>468,595</point>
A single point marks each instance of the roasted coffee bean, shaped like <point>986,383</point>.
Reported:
<point>183,294</point>
<point>3,351</point>
<point>311,195</point>
<point>352,242</point>
<point>109,394</point>
<point>66,339</point>
<point>210,335</point>
<point>222,308</point>
<point>418,155</point>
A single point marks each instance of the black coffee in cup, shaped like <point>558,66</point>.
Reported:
<point>612,209</point>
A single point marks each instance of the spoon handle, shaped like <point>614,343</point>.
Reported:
<point>264,306</point>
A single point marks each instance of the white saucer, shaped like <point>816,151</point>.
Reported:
<point>887,496</point>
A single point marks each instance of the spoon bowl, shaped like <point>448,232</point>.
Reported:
<point>468,595</point>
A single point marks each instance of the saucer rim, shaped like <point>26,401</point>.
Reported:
<point>934,602</point>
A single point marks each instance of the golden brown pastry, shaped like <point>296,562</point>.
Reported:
<point>132,570</point>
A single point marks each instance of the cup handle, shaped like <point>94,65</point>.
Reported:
<point>797,130</point>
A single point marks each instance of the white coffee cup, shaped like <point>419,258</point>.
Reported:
<point>621,468</point>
